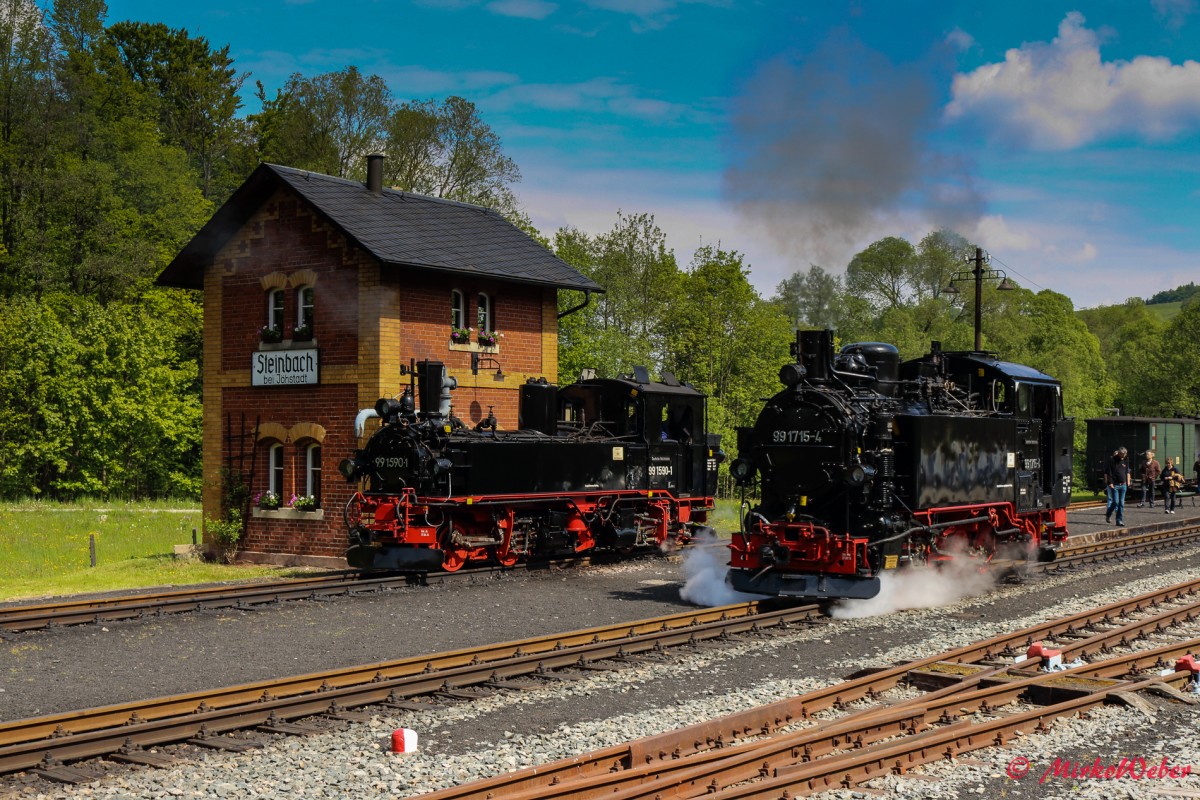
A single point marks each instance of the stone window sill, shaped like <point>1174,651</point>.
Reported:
<point>474,347</point>
<point>287,513</point>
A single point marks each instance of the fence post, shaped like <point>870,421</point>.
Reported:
<point>92,547</point>
<point>193,537</point>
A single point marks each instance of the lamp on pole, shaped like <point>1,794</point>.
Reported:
<point>979,273</point>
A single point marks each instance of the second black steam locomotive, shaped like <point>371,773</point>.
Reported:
<point>868,463</point>
<point>610,464</point>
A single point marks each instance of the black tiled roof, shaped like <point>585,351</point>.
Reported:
<point>401,229</point>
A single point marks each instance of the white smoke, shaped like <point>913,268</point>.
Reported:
<point>705,566</point>
<point>919,587</point>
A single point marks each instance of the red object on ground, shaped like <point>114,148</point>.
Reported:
<point>404,740</point>
<point>1039,650</point>
<point>1189,663</point>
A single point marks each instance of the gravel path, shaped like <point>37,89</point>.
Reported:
<point>511,730</point>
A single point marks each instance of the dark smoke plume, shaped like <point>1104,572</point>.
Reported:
<point>828,152</point>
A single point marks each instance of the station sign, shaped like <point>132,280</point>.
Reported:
<point>284,367</point>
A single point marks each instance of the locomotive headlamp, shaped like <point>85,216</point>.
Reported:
<point>858,474</point>
<point>386,407</point>
<point>349,469</point>
<point>790,375</point>
<point>741,469</point>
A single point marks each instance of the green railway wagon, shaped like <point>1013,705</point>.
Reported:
<point>1168,437</point>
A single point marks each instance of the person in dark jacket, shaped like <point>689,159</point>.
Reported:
<point>1151,469</point>
<point>1172,481</point>
<point>1116,478</point>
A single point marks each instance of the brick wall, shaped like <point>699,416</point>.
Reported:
<point>369,322</point>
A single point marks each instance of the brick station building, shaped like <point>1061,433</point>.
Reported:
<point>317,292</point>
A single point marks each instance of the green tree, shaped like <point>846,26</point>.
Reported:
<point>811,299</point>
<point>195,90</point>
<point>884,274</point>
<point>326,124</point>
<point>627,325</point>
<point>1131,339</point>
<point>97,399</point>
<point>726,340</point>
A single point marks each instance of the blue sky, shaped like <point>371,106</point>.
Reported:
<point>1063,137</point>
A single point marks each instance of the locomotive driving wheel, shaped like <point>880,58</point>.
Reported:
<point>503,557</point>
<point>454,549</point>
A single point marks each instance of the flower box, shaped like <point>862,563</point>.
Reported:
<point>302,334</point>
<point>267,501</point>
<point>488,338</point>
<point>304,503</point>
<point>270,335</point>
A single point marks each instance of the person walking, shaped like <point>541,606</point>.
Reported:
<point>1151,469</point>
<point>1172,480</point>
<point>1116,477</point>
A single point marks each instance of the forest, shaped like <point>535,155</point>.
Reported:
<point>118,141</point>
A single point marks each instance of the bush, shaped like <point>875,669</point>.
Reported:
<point>225,534</point>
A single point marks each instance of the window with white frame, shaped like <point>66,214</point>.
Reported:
<point>275,309</point>
<point>304,309</point>
<point>275,475</point>
<point>458,309</point>
<point>312,471</point>
<point>483,314</point>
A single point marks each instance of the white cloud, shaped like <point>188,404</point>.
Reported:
<point>960,40</point>
<point>526,9</point>
<point>1062,95</point>
<point>1173,12</point>
<point>994,233</point>
<point>599,95</point>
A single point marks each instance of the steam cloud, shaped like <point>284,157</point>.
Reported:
<point>918,588</point>
<point>830,152</point>
<point>704,568</point>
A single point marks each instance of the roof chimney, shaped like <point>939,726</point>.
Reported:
<point>375,173</point>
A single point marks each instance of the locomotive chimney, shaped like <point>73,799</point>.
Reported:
<point>375,173</point>
<point>814,350</point>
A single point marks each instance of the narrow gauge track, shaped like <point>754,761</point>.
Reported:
<point>271,704</point>
<point>28,617</point>
<point>18,618</point>
<point>122,731</point>
<point>779,751</point>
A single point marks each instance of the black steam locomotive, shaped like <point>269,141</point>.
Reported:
<point>620,465</point>
<point>867,464</point>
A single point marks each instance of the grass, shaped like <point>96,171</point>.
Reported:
<point>1166,311</point>
<point>45,548</point>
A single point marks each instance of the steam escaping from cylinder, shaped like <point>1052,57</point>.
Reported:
<point>919,587</point>
<point>705,566</point>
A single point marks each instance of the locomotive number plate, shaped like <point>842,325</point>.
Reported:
<point>792,437</point>
<point>391,461</point>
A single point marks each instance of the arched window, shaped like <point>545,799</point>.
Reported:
<point>458,309</point>
<point>275,309</point>
<point>312,472</point>
<point>483,314</point>
<point>304,313</point>
<point>275,475</point>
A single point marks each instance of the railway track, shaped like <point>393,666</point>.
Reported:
<point>202,717</point>
<point>18,618</point>
<point>979,696</point>
<point>227,718</point>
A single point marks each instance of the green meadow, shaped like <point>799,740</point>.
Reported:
<point>45,548</point>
